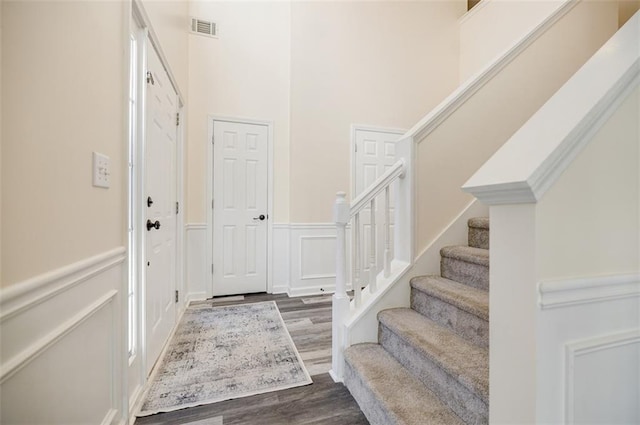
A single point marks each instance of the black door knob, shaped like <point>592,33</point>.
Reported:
<point>260,217</point>
<point>152,225</point>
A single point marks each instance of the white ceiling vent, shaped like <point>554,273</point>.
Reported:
<point>202,27</point>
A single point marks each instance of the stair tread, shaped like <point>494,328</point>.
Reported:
<point>465,297</point>
<point>402,395</point>
<point>466,253</point>
<point>479,222</point>
<point>466,362</point>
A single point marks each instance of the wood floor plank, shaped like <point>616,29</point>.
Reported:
<point>322,403</point>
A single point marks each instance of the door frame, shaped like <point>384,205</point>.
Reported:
<point>136,15</point>
<point>359,127</point>
<point>209,195</point>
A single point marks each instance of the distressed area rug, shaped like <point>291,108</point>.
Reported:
<point>220,353</point>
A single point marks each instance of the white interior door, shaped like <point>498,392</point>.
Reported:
<point>240,214</point>
<point>375,152</point>
<point>161,195</point>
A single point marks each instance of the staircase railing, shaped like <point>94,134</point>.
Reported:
<point>367,286</point>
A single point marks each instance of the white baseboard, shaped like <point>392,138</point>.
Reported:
<point>63,330</point>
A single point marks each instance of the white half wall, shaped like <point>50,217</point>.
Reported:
<point>62,355</point>
<point>588,347</point>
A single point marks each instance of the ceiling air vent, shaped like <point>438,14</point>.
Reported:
<point>202,27</point>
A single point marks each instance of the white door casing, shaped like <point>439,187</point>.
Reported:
<point>161,192</point>
<point>374,153</point>
<point>240,208</point>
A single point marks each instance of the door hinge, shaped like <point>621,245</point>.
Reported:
<point>177,119</point>
<point>177,208</point>
<point>356,147</point>
<point>212,204</point>
<point>213,140</point>
<point>212,269</point>
<point>150,78</point>
<point>177,296</point>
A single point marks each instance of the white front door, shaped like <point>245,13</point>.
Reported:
<point>374,154</point>
<point>161,218</point>
<point>240,155</point>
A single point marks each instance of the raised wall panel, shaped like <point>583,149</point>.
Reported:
<point>62,359</point>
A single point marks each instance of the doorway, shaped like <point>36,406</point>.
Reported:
<point>240,228</point>
<point>373,153</point>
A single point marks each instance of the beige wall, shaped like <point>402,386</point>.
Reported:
<point>64,88</point>
<point>314,68</point>
<point>461,144</point>
<point>494,26</point>
<point>587,223</point>
<point>63,98</point>
<point>377,63</point>
<point>244,73</point>
<point>626,9</point>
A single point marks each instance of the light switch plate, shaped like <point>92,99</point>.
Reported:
<point>101,170</point>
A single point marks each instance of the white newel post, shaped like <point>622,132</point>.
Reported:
<point>341,211</point>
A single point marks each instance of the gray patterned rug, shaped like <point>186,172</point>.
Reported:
<point>220,353</point>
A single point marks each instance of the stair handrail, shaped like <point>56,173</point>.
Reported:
<point>400,239</point>
<point>397,170</point>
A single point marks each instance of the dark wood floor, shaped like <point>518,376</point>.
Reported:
<point>308,320</point>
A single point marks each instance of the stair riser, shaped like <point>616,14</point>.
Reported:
<point>479,238</point>
<point>368,402</point>
<point>467,405</point>
<point>471,274</point>
<point>467,325</point>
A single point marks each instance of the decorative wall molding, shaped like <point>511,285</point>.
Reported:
<point>37,348</point>
<point>441,112</point>
<point>198,269</point>
<point>70,325</point>
<point>195,226</point>
<point>24,295</point>
<point>570,292</point>
<point>573,350</point>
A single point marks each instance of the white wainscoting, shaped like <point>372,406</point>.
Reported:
<point>198,267</point>
<point>303,260</point>
<point>588,350</point>
<point>62,354</point>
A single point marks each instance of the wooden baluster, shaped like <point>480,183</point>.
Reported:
<point>387,233</point>
<point>357,261</point>
<point>340,306</point>
<point>373,273</point>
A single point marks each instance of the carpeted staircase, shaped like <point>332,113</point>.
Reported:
<point>431,363</point>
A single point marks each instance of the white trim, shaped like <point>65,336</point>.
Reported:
<point>441,112</point>
<point>19,361</point>
<point>302,275</point>
<point>195,226</point>
<point>587,346</point>
<point>26,294</point>
<point>209,195</point>
<point>109,417</point>
<point>473,11</point>
<point>140,13</point>
<point>570,292</point>
<point>564,125</point>
<point>359,127</point>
